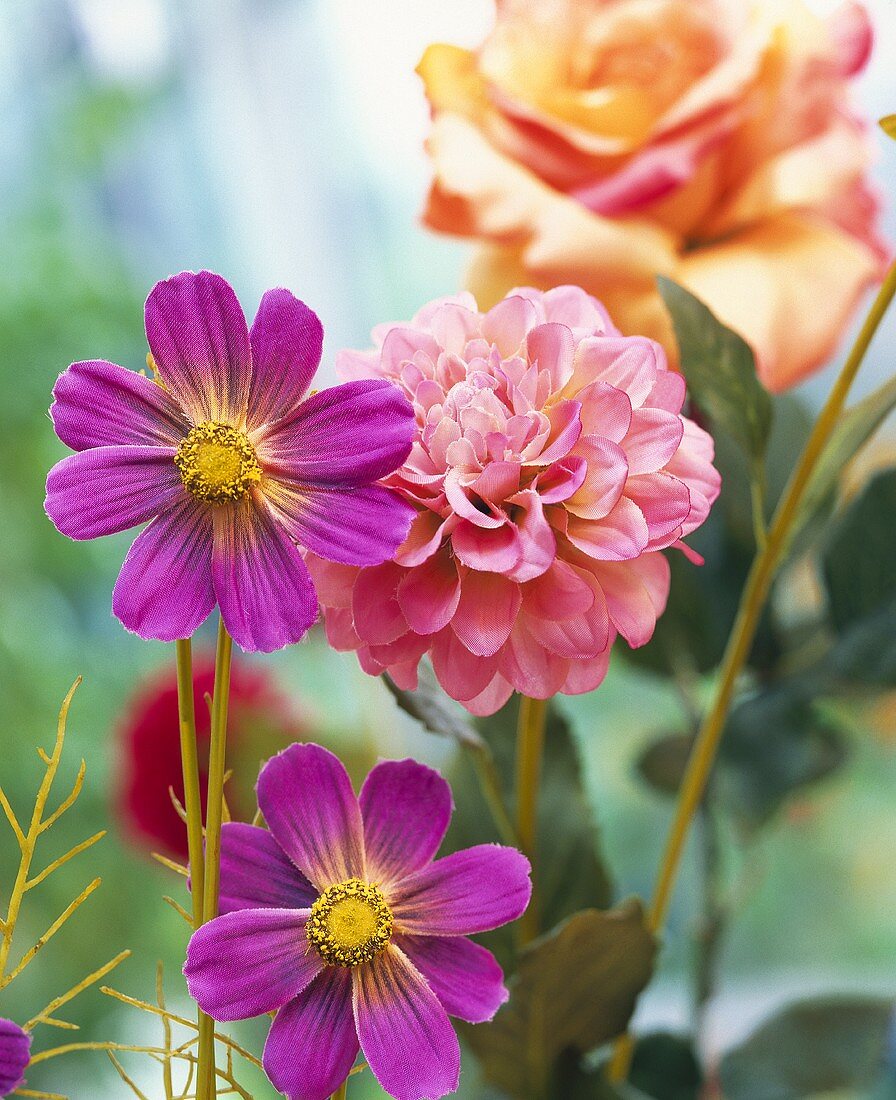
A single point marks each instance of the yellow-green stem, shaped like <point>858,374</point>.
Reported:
<point>529,750</point>
<point>207,1089</point>
<point>190,763</point>
<point>340,1093</point>
<point>752,602</point>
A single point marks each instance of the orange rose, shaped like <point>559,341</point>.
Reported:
<point>601,142</point>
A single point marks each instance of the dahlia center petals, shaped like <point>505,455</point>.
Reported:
<point>559,481</point>
<point>565,429</point>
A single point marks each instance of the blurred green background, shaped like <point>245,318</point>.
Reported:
<point>280,142</point>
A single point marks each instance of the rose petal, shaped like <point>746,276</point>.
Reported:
<point>307,800</point>
<point>263,587</point>
<point>164,590</point>
<point>406,808</point>
<point>405,1033</point>
<point>256,873</point>
<point>464,976</point>
<point>198,337</point>
<point>470,891</point>
<point>99,404</point>
<point>313,1043</point>
<point>286,340</point>
<point>250,962</point>
<point>108,489</point>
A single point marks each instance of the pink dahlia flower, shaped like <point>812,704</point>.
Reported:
<point>340,922</point>
<point>231,462</point>
<point>15,1053</point>
<point>551,464</point>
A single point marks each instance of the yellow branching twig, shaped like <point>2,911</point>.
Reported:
<point>166,1033</point>
<point>70,854</point>
<point>178,908</point>
<point>120,1070</point>
<point>171,864</point>
<point>50,932</point>
<point>43,1016</point>
<point>68,802</point>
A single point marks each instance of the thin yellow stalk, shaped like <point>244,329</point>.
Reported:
<point>529,752</point>
<point>752,602</point>
<point>189,756</point>
<point>206,1084</point>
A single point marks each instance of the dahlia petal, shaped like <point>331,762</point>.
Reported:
<point>586,675</point>
<point>401,344</point>
<point>490,700</point>
<point>463,975</point>
<point>636,593</point>
<point>424,538</point>
<point>405,1033</point>
<point>470,891</point>
<point>453,325</point>
<point>573,307</point>
<point>341,437</point>
<point>99,404</point>
<point>363,526</point>
<point>577,637</point>
<point>558,482</point>
<point>497,481</point>
<point>198,337</point>
<point>486,611</point>
<point>665,504</point>
<point>307,800</point>
<point>668,392</point>
<point>456,492</point>
<point>621,535</point>
<point>286,340</point>
<point>692,464</point>
<point>607,411</point>
<point>493,550</point>
<point>312,1044</point>
<point>15,1053</point>
<point>462,674</point>
<point>263,586</point>
<point>559,593</point>
<point>629,363</point>
<point>566,427</point>
<point>406,808</point>
<point>507,324</point>
<point>604,481</point>
<point>164,590</point>
<point>376,612</point>
<point>538,543</point>
<point>532,667</point>
<point>428,594</point>
<point>108,489</point>
<point>256,873</point>
<point>551,347</point>
<point>652,439</point>
<point>274,962</point>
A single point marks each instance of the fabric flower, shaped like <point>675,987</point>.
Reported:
<point>15,1052</point>
<point>340,920</point>
<point>261,721</point>
<point>709,140</point>
<point>231,462</point>
<point>550,465</point>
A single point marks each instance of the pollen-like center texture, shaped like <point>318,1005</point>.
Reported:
<point>350,923</point>
<point>217,463</point>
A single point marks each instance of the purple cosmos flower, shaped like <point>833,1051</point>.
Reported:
<point>229,463</point>
<point>370,949</point>
<point>15,1050</point>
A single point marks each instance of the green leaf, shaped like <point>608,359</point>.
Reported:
<point>888,125</point>
<point>776,743</point>
<point>809,1048</point>
<point>571,871</point>
<point>433,709</point>
<point>665,1067</point>
<point>575,990</point>
<point>661,765</point>
<point>720,371</point>
<point>854,429</point>
<point>859,563</point>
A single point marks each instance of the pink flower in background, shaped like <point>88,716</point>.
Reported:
<point>261,721</point>
<point>341,921</point>
<point>550,466</point>
<point>231,462</point>
<point>15,1052</point>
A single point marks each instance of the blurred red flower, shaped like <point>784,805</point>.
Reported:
<point>262,720</point>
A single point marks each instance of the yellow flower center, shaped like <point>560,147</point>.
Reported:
<point>217,463</point>
<point>350,923</point>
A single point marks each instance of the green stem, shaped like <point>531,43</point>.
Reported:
<point>340,1093</point>
<point>207,1089</point>
<point>529,751</point>
<point>190,763</point>
<point>752,602</point>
